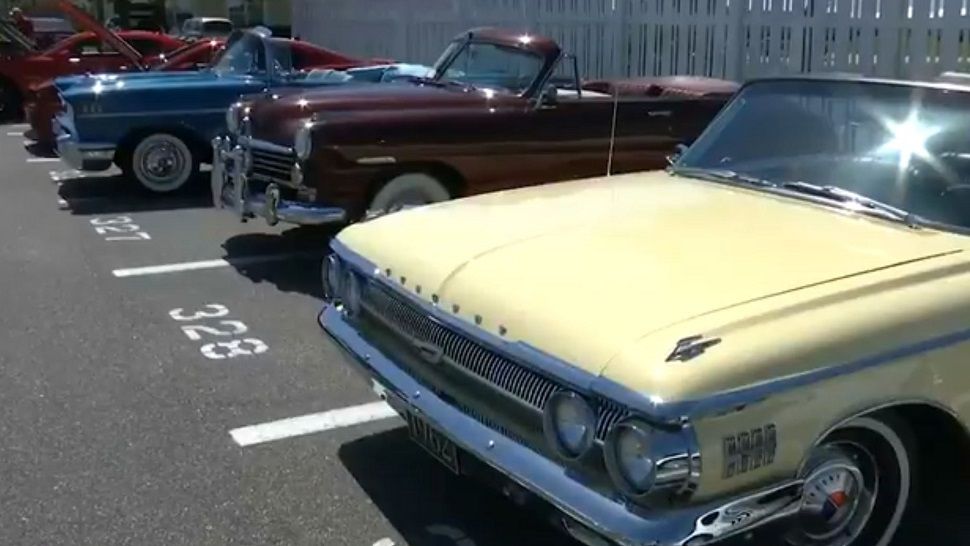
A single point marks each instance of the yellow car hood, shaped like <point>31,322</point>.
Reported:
<point>583,269</point>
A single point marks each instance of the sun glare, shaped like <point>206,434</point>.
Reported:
<point>909,139</point>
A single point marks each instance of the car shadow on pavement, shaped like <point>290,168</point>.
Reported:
<point>299,271</point>
<point>40,150</point>
<point>114,194</point>
<point>430,506</point>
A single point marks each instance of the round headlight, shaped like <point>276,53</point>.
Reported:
<point>629,458</point>
<point>351,294</point>
<point>331,278</point>
<point>303,143</point>
<point>232,117</point>
<point>569,424</point>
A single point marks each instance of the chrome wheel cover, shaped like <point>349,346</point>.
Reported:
<point>162,163</point>
<point>845,486</point>
<point>838,497</point>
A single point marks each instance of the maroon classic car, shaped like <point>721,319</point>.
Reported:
<point>498,110</point>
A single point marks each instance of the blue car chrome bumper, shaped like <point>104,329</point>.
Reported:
<point>587,515</point>
<point>81,156</point>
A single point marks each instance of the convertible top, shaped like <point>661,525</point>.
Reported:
<point>661,86</point>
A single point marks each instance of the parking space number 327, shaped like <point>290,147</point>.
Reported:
<point>210,325</point>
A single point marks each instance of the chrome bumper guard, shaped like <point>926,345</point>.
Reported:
<point>587,515</point>
<point>230,190</point>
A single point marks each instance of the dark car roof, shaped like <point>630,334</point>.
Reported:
<point>948,81</point>
<point>539,45</point>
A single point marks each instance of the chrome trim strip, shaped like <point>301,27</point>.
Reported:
<point>540,475</point>
<point>154,113</point>
<point>651,407</point>
<point>248,141</point>
<point>387,160</point>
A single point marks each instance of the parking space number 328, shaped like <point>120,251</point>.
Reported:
<point>210,324</point>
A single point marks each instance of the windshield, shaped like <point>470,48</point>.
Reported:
<point>489,65</point>
<point>218,28</point>
<point>903,146</point>
<point>245,55</point>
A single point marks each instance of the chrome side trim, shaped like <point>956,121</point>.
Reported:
<point>387,160</point>
<point>154,113</point>
<point>545,478</point>
<point>652,407</point>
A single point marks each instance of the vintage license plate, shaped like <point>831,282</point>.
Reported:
<point>433,441</point>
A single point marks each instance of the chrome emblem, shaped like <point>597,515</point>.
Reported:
<point>691,347</point>
<point>429,352</point>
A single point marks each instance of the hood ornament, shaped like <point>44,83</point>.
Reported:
<point>691,347</point>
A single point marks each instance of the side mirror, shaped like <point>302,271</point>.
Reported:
<point>549,97</point>
<point>678,151</point>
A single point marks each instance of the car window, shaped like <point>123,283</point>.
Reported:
<point>92,46</point>
<point>900,145</point>
<point>218,28</point>
<point>147,46</point>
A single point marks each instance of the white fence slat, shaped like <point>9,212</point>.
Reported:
<point>735,39</point>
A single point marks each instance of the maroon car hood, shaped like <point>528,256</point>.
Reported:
<point>276,117</point>
<point>83,21</point>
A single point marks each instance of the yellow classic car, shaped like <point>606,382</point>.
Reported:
<point>774,330</point>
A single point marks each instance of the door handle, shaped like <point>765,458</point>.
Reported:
<point>659,113</point>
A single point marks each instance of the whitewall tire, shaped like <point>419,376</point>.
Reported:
<point>162,163</point>
<point>859,485</point>
<point>405,191</point>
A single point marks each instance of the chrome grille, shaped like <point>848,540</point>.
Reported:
<point>271,165</point>
<point>524,384</point>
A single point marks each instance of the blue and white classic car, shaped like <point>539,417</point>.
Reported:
<point>157,127</point>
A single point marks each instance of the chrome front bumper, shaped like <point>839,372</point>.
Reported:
<point>230,190</point>
<point>84,157</point>
<point>587,515</point>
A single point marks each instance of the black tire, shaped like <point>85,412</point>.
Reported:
<point>11,102</point>
<point>884,449</point>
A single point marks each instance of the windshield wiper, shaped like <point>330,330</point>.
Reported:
<point>848,196</point>
<point>720,175</point>
<point>833,193</point>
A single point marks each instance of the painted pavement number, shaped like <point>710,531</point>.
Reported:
<point>207,326</point>
<point>119,228</point>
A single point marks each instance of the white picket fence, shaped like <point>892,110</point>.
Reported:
<point>735,39</point>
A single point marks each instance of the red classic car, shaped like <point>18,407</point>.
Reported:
<point>42,103</point>
<point>95,50</point>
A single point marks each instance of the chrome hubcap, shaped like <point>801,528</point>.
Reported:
<point>837,498</point>
<point>163,161</point>
<point>830,500</point>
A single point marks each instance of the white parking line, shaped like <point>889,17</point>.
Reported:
<point>206,264</point>
<point>16,133</point>
<point>309,424</point>
<point>43,159</point>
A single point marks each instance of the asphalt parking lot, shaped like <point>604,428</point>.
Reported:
<point>144,340</point>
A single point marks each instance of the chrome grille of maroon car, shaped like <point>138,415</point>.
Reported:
<point>271,165</point>
<point>524,384</point>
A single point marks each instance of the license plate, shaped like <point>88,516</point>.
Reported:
<point>433,442</point>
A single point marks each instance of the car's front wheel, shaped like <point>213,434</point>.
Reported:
<point>405,191</point>
<point>161,163</point>
<point>859,485</point>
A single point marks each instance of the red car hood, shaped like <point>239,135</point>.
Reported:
<point>83,21</point>
<point>275,117</point>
